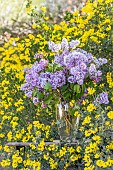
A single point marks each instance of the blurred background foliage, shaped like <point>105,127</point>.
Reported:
<point>13,18</point>
<point>14,21</point>
<point>12,11</point>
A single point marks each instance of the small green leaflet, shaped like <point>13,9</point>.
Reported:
<point>77,88</point>
<point>47,86</point>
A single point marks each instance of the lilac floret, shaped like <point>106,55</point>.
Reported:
<point>35,100</point>
<point>102,61</point>
<point>26,70</point>
<point>57,79</point>
<point>54,47</point>
<point>102,98</point>
<point>74,43</point>
<point>71,79</point>
<point>44,105</point>
<point>29,94</point>
<point>83,66</point>
<point>92,69</point>
<point>64,44</point>
<point>38,55</point>
<point>80,81</point>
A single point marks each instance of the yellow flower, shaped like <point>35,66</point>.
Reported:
<point>77,114</point>
<point>72,20</point>
<point>97,139</point>
<point>0,147</point>
<point>86,120</point>
<point>5,163</point>
<point>72,103</point>
<point>112,99</point>
<point>81,128</point>
<point>71,150</point>
<point>36,165</point>
<point>46,156</point>
<point>78,149</point>
<point>97,116</point>
<point>88,132</point>
<point>108,28</point>
<point>1,49</point>
<point>74,158</point>
<point>91,91</point>
<point>29,9</point>
<point>91,107</point>
<point>97,155</point>
<point>9,136</point>
<point>85,102</point>
<point>110,115</point>
<point>100,163</point>
<point>88,8</point>
<point>95,39</point>
<point>20,108</point>
<point>62,152</point>
<point>102,85</point>
<point>18,135</point>
<point>87,158</point>
<point>109,79</point>
<point>100,1</point>
<point>91,167</point>
<point>43,8</point>
<point>46,18</point>
<point>32,146</point>
<point>66,165</point>
<point>14,124</point>
<point>57,27</point>
<point>107,123</point>
<point>34,26</point>
<point>52,163</point>
<point>41,145</point>
<point>1,135</point>
<point>6,149</point>
<point>108,1</point>
<point>16,159</point>
<point>110,146</point>
<point>76,13</point>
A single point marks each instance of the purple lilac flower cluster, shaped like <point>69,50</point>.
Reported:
<point>102,98</point>
<point>56,79</point>
<point>79,63</point>
<point>37,78</point>
<point>32,77</point>
<point>76,65</point>
<point>99,62</point>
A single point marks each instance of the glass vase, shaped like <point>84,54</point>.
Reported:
<point>67,124</point>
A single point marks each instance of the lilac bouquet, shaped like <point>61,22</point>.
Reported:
<point>63,78</point>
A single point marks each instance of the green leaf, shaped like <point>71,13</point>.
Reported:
<point>72,112</point>
<point>83,88</point>
<point>34,93</point>
<point>40,95</point>
<point>67,95</point>
<point>48,99</point>
<point>77,88</point>
<point>64,88</point>
<point>47,86</point>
